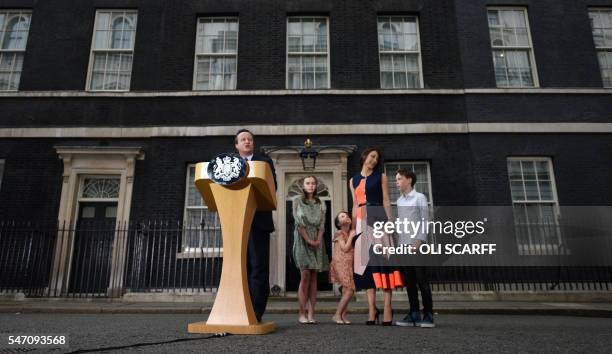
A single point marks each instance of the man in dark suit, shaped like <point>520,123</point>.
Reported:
<point>258,250</point>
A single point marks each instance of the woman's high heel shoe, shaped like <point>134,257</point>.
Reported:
<point>376,320</point>
<point>388,323</point>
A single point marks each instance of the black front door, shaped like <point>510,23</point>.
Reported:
<point>292,273</point>
<point>92,251</point>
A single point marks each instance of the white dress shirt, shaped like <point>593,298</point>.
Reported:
<point>413,208</point>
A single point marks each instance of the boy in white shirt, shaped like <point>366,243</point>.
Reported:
<point>412,206</point>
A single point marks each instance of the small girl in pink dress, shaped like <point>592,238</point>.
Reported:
<point>341,267</point>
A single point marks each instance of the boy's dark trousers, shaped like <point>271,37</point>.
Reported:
<point>416,279</point>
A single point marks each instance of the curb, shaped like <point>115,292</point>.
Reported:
<point>602,313</point>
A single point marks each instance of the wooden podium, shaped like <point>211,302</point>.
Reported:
<point>232,311</point>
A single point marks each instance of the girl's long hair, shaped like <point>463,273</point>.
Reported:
<point>314,194</point>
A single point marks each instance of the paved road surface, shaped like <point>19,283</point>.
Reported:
<point>479,333</point>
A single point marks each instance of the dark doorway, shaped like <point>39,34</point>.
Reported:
<point>292,273</point>
<point>92,251</point>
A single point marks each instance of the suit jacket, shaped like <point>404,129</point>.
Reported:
<point>263,219</point>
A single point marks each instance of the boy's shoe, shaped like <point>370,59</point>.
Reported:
<point>427,322</point>
<point>411,320</point>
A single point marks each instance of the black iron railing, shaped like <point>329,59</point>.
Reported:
<point>102,259</point>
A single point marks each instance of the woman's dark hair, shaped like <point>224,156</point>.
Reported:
<point>314,194</point>
<point>364,156</point>
<point>337,219</point>
<point>408,174</point>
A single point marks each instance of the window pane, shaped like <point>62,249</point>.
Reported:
<point>321,64</point>
<point>542,170</point>
<point>103,21</point>
<point>97,81</point>
<point>493,16</point>
<point>308,27</point>
<point>307,80</point>
<point>231,42</point>
<point>308,42</point>
<point>412,63</point>
<point>605,63</point>
<point>94,187</point>
<point>399,63</point>
<point>308,64</point>
<point>518,192</point>
<point>6,61</point>
<point>111,81</point>
<point>386,79</point>
<point>496,37</point>
<point>102,39</point>
<point>514,170</point>
<point>320,80</point>
<point>124,81</point>
<point>295,81</point>
<point>413,80</point>
<point>522,37</point>
<point>545,190</point>
<point>295,44</point>
<point>528,170</point>
<point>113,62</point>
<point>531,190</point>
<point>385,62</point>
<point>409,25</point>
<point>126,63</point>
<point>399,80</point>
<point>294,26</point>
<point>321,27</point>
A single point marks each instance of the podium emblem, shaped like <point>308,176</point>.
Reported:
<point>227,168</point>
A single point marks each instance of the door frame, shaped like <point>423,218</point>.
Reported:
<point>81,161</point>
<point>287,162</point>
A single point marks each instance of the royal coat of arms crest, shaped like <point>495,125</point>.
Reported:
<point>226,169</point>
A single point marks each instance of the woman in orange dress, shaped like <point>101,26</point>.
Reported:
<point>370,191</point>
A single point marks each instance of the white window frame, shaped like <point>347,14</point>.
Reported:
<point>531,248</point>
<point>306,53</point>
<point>530,49</point>
<point>192,252</point>
<point>599,49</point>
<point>222,55</point>
<point>108,50</point>
<point>418,52</point>
<point>16,12</point>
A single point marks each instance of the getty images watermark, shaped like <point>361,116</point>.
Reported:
<point>411,229</point>
<point>485,236</point>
